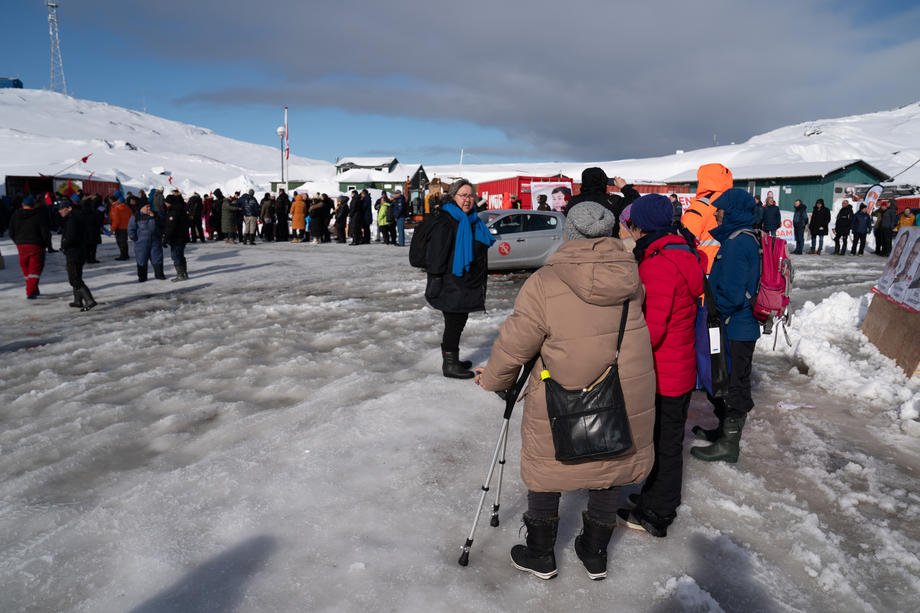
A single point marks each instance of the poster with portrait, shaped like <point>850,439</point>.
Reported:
<point>900,280</point>
<point>872,196</point>
<point>557,193</point>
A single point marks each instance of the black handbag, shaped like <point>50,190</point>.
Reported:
<point>590,423</point>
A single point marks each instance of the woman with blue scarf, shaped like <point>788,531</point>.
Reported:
<point>457,261</point>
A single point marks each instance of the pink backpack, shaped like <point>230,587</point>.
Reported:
<point>771,304</point>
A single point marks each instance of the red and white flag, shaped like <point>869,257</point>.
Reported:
<point>85,157</point>
<point>287,145</point>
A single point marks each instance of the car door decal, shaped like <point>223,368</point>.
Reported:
<point>504,248</point>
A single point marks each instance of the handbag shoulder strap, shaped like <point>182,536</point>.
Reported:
<point>623,318</point>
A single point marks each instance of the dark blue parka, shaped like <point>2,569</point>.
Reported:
<point>735,274</point>
<point>147,233</point>
<point>862,222</point>
<point>772,219</point>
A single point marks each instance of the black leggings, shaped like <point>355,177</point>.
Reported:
<point>602,505</point>
<point>453,328</point>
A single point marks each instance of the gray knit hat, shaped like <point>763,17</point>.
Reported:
<point>589,220</point>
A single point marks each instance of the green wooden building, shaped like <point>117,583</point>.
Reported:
<point>805,181</point>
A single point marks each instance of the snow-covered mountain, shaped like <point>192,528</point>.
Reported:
<point>48,133</point>
<point>43,132</point>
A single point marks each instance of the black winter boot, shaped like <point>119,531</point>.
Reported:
<point>727,447</point>
<point>711,434</point>
<point>158,272</point>
<point>180,273</point>
<point>77,300</point>
<point>537,557</point>
<point>453,368</point>
<point>141,273</point>
<point>591,546</point>
<point>88,301</point>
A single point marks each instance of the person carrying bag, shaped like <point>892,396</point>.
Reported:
<point>572,313</point>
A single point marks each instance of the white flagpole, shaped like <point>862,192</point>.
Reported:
<point>287,145</point>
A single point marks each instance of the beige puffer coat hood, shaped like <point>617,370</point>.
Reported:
<point>569,313</point>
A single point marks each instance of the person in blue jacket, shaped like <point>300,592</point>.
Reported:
<point>862,225</point>
<point>146,231</point>
<point>772,219</point>
<point>734,279</point>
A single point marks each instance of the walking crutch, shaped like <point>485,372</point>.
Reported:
<point>510,397</point>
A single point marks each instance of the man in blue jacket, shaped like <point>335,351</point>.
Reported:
<point>734,280</point>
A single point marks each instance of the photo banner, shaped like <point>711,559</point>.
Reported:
<point>900,280</point>
<point>557,193</point>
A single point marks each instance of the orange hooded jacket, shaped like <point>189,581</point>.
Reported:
<point>700,217</point>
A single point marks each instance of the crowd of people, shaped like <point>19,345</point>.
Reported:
<point>620,249</point>
<point>154,220</point>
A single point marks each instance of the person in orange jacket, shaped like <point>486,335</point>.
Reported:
<point>298,218</point>
<point>700,216</point>
<point>119,216</point>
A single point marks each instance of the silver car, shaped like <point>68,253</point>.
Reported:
<point>523,238</point>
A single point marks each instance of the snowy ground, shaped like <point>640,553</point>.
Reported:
<point>275,435</point>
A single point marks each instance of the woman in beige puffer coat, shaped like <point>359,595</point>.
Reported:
<point>569,312</point>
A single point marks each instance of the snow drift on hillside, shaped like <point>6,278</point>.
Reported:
<point>43,132</point>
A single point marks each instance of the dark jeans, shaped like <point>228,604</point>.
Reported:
<point>819,238</point>
<point>453,328</point>
<point>738,402</point>
<point>177,253</point>
<point>602,505</point>
<point>661,490</point>
<point>859,243</point>
<point>196,231</point>
<point>799,239</point>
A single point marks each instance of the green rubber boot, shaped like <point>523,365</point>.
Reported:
<point>726,448</point>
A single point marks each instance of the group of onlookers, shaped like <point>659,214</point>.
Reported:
<point>620,250</point>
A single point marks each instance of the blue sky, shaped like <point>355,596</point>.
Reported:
<point>505,81</point>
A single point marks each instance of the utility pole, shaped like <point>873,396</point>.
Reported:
<point>58,82</point>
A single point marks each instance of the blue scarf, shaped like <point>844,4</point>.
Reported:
<point>469,226</point>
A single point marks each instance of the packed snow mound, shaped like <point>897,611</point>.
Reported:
<point>826,339</point>
<point>44,132</point>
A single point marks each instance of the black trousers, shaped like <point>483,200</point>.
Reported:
<point>121,238</point>
<point>859,243</point>
<point>884,241</point>
<point>453,328</point>
<point>661,490</point>
<point>838,239</point>
<point>75,259</point>
<point>366,230</point>
<point>602,505</point>
<point>196,231</point>
<point>738,402</point>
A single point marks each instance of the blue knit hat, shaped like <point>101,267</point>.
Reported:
<point>652,213</point>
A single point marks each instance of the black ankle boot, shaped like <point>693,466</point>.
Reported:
<point>452,367</point>
<point>727,447</point>
<point>77,300</point>
<point>141,273</point>
<point>591,546</point>
<point>87,297</point>
<point>158,272</point>
<point>537,556</point>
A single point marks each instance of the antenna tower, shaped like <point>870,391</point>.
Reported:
<point>58,82</point>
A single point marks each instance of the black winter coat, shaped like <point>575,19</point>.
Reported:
<point>594,189</point>
<point>177,225</point>
<point>844,221</point>
<point>772,219</point>
<point>444,291</point>
<point>30,227</point>
<point>75,233</point>
<point>820,220</point>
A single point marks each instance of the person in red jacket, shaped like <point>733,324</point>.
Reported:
<point>672,272</point>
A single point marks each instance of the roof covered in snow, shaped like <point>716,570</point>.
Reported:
<point>788,170</point>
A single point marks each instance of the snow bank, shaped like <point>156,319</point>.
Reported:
<point>827,339</point>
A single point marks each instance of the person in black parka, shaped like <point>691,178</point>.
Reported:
<point>818,226</point>
<point>594,184</point>
<point>842,226</point>
<point>457,266</point>
<point>176,234</point>
<point>75,237</point>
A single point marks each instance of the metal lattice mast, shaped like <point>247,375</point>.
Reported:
<point>58,82</point>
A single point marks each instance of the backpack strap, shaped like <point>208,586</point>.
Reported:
<point>756,235</point>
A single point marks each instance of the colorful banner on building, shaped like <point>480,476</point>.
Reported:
<point>900,280</point>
